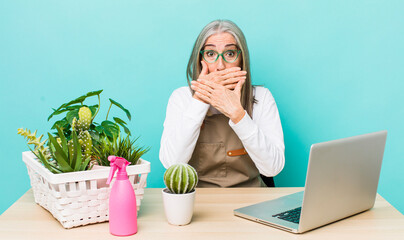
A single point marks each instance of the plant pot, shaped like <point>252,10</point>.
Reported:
<point>178,208</point>
<point>76,198</point>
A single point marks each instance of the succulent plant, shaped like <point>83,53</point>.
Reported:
<point>180,178</point>
<point>67,155</point>
<point>32,139</point>
<point>61,155</point>
<point>122,147</point>
<point>72,146</point>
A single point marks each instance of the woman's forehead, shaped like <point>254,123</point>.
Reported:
<point>221,40</point>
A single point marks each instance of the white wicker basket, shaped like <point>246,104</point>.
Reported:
<point>79,198</point>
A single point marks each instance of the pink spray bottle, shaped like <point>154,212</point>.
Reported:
<point>122,200</point>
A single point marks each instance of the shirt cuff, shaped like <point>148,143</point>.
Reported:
<point>196,109</point>
<point>245,128</point>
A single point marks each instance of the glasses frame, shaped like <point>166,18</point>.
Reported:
<point>220,54</point>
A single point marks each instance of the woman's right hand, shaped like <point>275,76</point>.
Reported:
<point>227,78</point>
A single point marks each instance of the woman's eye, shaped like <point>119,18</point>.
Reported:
<point>230,53</point>
<point>210,53</point>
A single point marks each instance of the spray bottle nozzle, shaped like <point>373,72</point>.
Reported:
<point>117,163</point>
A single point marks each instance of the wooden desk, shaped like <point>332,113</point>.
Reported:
<point>213,219</point>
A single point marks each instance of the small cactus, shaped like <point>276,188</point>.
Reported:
<point>84,118</point>
<point>84,138</point>
<point>86,144</point>
<point>181,178</point>
<point>84,121</point>
<point>74,124</point>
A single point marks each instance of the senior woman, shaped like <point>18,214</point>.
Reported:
<point>228,130</point>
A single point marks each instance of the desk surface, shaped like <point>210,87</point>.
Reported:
<point>213,219</point>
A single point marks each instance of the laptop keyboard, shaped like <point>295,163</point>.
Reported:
<point>290,216</point>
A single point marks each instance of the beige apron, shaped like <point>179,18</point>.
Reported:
<point>220,158</point>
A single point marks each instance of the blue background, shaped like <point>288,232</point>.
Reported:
<point>335,69</point>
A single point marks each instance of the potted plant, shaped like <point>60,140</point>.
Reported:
<point>123,147</point>
<point>179,196</point>
<point>58,166</point>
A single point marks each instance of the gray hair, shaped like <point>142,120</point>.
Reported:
<point>194,64</point>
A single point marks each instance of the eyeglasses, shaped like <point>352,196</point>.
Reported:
<point>228,56</point>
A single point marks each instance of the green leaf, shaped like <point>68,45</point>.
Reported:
<point>93,109</point>
<point>72,114</point>
<point>108,133</point>
<point>77,159</point>
<point>75,107</point>
<point>63,140</point>
<point>43,160</point>
<point>99,129</point>
<point>84,164</point>
<point>118,120</point>
<point>57,112</point>
<point>110,127</point>
<point>123,124</point>
<point>55,169</point>
<point>89,94</point>
<point>121,107</point>
<point>95,136</point>
<point>68,134</point>
<point>77,100</point>
<point>60,156</point>
<point>61,124</point>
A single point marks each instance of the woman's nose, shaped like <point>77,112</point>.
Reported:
<point>220,64</point>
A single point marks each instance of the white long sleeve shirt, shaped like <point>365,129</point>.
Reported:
<point>261,135</point>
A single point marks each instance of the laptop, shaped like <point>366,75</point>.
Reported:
<point>342,178</point>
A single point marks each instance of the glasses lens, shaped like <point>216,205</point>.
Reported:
<point>210,55</point>
<point>230,55</point>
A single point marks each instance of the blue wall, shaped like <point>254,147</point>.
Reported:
<point>335,69</point>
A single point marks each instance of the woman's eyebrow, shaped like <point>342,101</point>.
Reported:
<point>229,45</point>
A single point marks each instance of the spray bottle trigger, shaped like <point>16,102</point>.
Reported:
<point>113,168</point>
<point>111,173</point>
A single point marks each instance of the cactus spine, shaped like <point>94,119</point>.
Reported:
<point>181,178</point>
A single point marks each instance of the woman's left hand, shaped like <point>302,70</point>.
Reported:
<point>225,100</point>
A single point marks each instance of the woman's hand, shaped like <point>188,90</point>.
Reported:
<point>228,77</point>
<point>225,100</point>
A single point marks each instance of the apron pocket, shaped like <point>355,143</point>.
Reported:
<point>211,160</point>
